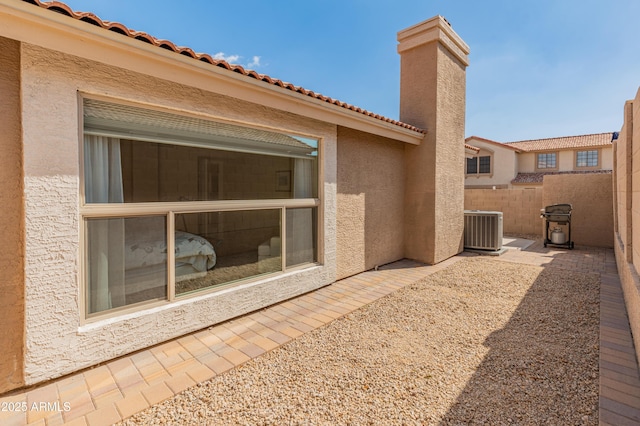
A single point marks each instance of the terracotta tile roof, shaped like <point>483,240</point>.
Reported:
<point>489,141</point>
<point>524,178</point>
<point>566,142</point>
<point>119,28</point>
<point>472,148</point>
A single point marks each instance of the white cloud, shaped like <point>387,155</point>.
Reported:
<point>235,59</point>
<point>255,63</point>
<point>232,59</point>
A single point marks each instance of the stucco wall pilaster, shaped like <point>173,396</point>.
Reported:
<point>432,97</point>
<point>12,223</point>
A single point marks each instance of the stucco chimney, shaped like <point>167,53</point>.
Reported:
<point>433,59</point>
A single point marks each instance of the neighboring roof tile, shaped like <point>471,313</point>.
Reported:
<point>119,28</point>
<point>472,148</point>
<point>489,141</point>
<point>524,178</point>
<point>566,142</point>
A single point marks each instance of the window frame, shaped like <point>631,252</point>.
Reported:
<point>587,167</point>
<point>170,209</point>
<point>537,161</point>
<point>474,159</point>
<point>483,153</point>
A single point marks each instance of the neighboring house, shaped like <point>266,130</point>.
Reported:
<point>504,165</point>
<point>150,191</point>
<point>495,164</point>
<point>470,151</point>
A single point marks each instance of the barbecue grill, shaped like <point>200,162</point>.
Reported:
<point>560,214</point>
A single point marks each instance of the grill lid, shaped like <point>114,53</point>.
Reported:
<point>560,213</point>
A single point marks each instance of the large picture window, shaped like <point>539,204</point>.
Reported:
<point>175,205</point>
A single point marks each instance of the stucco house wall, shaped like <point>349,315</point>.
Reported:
<point>566,160</point>
<point>370,201</point>
<point>57,342</point>
<point>12,214</point>
<point>526,162</point>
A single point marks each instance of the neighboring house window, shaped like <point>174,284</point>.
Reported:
<point>587,158</point>
<point>175,205</point>
<point>547,160</point>
<point>479,165</point>
<point>484,165</point>
<point>472,166</point>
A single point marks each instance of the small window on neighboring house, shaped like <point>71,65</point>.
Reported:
<point>587,158</point>
<point>479,165</point>
<point>472,166</point>
<point>485,165</point>
<point>547,161</point>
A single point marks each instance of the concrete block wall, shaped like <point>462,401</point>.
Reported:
<point>626,184</point>
<point>520,207</point>
<point>591,197</point>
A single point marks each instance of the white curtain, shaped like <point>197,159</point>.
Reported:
<point>300,245</point>
<point>105,237</point>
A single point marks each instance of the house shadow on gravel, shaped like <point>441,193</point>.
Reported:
<point>542,367</point>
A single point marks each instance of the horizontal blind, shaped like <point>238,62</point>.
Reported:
<point>129,122</point>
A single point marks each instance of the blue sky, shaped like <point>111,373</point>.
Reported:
<point>538,68</point>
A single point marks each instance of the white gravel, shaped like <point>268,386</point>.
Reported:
<point>482,342</point>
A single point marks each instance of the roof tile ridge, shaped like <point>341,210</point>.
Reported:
<point>91,18</point>
<point>560,137</point>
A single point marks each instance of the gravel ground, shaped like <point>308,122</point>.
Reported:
<point>482,342</point>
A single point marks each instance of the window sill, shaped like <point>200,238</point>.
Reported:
<point>127,313</point>
<point>480,175</point>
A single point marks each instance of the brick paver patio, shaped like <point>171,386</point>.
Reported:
<point>117,389</point>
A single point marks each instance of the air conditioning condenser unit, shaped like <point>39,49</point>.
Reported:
<point>482,230</point>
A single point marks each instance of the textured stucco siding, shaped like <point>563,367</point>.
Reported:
<point>607,158</point>
<point>432,96</point>
<point>526,162</point>
<point>450,139</point>
<point>418,96</point>
<point>566,160</point>
<point>370,212</point>
<point>56,342</point>
<point>12,223</point>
